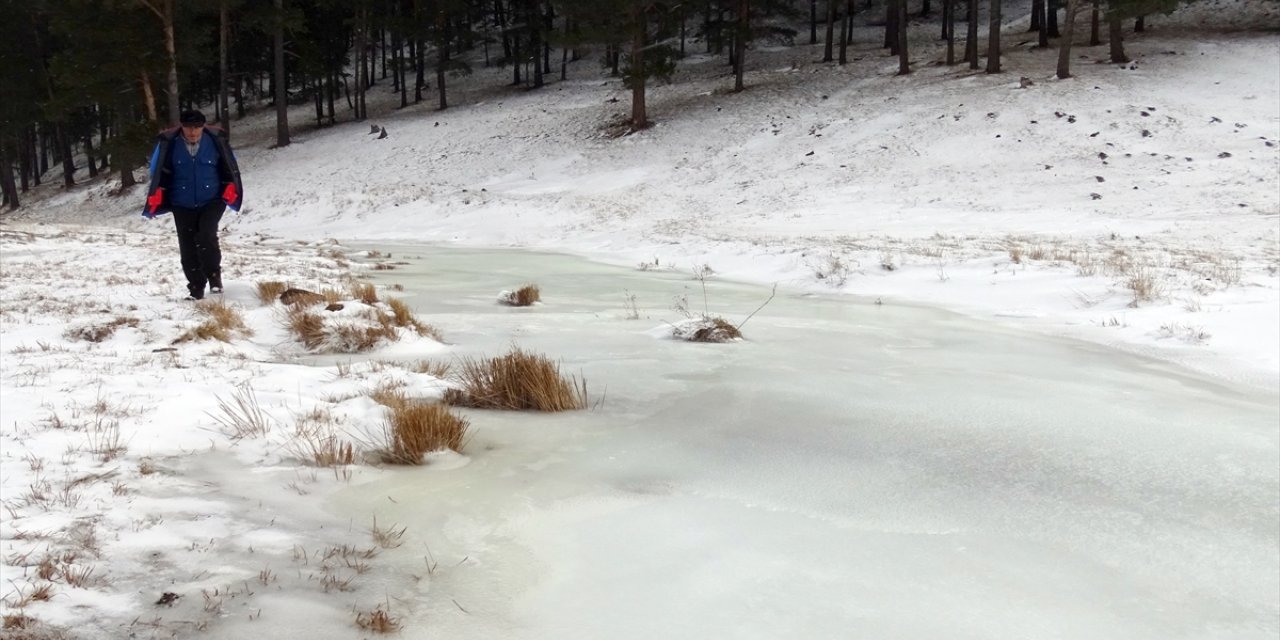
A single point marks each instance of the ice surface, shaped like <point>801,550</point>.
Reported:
<point>851,469</point>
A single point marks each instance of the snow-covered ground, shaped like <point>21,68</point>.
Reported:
<point>1136,206</point>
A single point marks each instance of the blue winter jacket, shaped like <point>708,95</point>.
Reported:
<point>179,179</point>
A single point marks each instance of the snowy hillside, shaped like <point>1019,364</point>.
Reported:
<point>977,477</point>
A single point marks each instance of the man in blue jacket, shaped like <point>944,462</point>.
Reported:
<point>194,175</point>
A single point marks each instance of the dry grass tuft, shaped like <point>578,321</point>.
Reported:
<point>414,429</point>
<point>358,329</point>
<point>269,292</point>
<point>522,297</point>
<point>308,326</point>
<point>433,368</point>
<point>315,440</point>
<point>99,332</point>
<point>243,416</point>
<point>223,322</point>
<point>520,381</point>
<point>1142,282</point>
<point>301,297</point>
<point>18,621</point>
<point>389,394</point>
<point>378,621</point>
<point>706,329</point>
<point>350,338</point>
<point>401,316</point>
<point>388,538</point>
<point>364,292</point>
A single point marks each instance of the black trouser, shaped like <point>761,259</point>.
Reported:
<point>198,243</point>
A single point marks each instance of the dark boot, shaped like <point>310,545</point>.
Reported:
<point>215,282</point>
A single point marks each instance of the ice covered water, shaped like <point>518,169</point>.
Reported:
<point>849,470</point>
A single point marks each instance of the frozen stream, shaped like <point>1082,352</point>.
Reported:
<point>851,470</point>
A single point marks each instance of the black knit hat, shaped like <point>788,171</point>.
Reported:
<point>191,118</point>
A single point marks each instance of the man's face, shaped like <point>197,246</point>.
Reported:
<point>192,132</point>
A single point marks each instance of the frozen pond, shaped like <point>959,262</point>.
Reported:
<point>850,470</point>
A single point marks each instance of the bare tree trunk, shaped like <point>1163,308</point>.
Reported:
<point>904,65</point>
<point>813,21</point>
<point>1140,24</point>
<point>442,57</point>
<point>281,80</point>
<point>1117,39</point>
<point>949,29</point>
<point>971,36</point>
<point>740,42</point>
<point>164,10</point>
<point>639,115</point>
<point>148,97</point>
<point>844,34</point>
<point>1037,15</point>
<point>63,141</point>
<point>362,64</point>
<point>224,37</point>
<point>7,185</point>
<point>1094,37</point>
<point>1064,45</point>
<point>831,31</point>
<point>993,38</point>
<point>891,27</point>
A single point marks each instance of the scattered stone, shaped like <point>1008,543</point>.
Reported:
<point>1024,82</point>
<point>168,598</point>
<point>1100,178</point>
<point>1146,134</point>
<point>1096,196</point>
<point>1224,154</point>
<point>334,306</point>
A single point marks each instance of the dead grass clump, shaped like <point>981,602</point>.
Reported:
<point>301,297</point>
<point>389,394</point>
<point>522,297</point>
<point>223,322</point>
<point>97,332</point>
<point>519,381</point>
<point>333,296</point>
<point>414,429</point>
<point>378,621</point>
<point>242,416</point>
<point>350,338</point>
<point>706,329</point>
<point>401,316</point>
<point>308,326</point>
<point>270,291</point>
<point>18,621</point>
<point>364,292</point>
<point>1142,282</point>
<point>315,440</point>
<point>359,328</point>
<point>433,368</point>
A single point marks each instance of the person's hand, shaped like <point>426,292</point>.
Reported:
<point>230,194</point>
<point>153,204</point>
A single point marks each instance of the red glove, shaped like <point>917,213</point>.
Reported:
<point>229,195</point>
<point>154,201</point>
